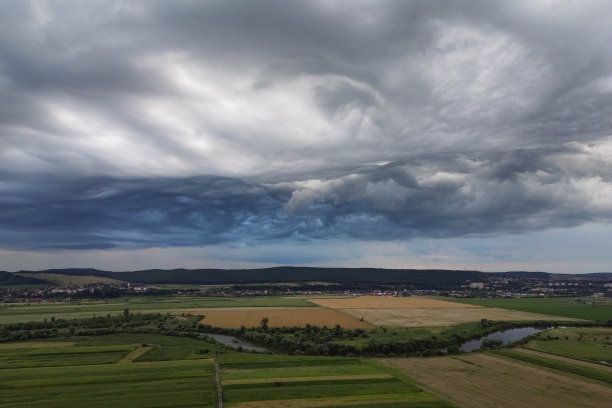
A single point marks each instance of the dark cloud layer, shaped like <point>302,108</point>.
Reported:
<point>186,123</point>
<point>440,196</point>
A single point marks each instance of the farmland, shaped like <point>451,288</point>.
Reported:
<point>592,344</point>
<point>419,312</point>
<point>94,373</point>
<point>230,318</point>
<point>481,380</point>
<point>111,370</point>
<point>578,308</point>
<point>26,312</point>
<point>114,350</point>
<point>258,381</point>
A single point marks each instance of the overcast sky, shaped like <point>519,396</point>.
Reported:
<point>464,135</point>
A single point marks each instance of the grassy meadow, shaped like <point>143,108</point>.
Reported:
<point>577,308</point>
<point>593,344</point>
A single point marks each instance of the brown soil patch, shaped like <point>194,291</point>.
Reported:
<point>298,317</point>
<point>417,317</point>
<point>387,302</point>
<point>484,381</point>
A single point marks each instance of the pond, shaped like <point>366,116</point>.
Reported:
<point>236,342</point>
<point>506,336</point>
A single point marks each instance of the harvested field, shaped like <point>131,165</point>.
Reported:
<point>234,318</point>
<point>483,381</point>
<point>409,317</point>
<point>386,302</point>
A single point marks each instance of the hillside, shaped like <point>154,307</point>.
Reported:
<point>343,276</point>
<point>8,278</point>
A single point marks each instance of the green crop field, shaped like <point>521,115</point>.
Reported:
<point>17,313</point>
<point>90,375</point>
<point>583,343</point>
<point>567,367</point>
<point>153,370</point>
<point>275,381</point>
<point>578,308</point>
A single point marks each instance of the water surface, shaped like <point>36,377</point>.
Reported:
<point>506,336</point>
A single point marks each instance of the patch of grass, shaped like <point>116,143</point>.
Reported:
<point>578,308</point>
<point>165,353</point>
<point>81,382</point>
<point>592,344</point>
<point>558,365</point>
<point>301,371</point>
<point>311,391</point>
<point>279,384</point>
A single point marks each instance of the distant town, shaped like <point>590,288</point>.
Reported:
<point>511,284</point>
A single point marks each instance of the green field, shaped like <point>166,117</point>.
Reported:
<point>563,366</point>
<point>583,343</point>
<point>579,308</point>
<point>153,370</point>
<point>90,374</point>
<point>20,312</point>
<point>277,381</point>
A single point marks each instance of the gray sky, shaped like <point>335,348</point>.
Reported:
<point>467,134</point>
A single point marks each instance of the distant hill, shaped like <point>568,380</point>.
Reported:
<point>8,278</point>
<point>555,276</point>
<point>348,277</point>
<point>342,276</point>
<point>525,274</point>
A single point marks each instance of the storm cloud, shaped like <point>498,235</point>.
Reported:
<point>189,123</point>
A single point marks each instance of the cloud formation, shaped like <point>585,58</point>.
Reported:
<point>185,123</point>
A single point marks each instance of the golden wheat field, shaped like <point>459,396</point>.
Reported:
<point>251,317</point>
<point>387,302</point>
<point>419,311</point>
<point>440,317</point>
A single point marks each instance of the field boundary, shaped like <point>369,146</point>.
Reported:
<point>556,365</point>
<point>560,357</point>
<point>218,382</point>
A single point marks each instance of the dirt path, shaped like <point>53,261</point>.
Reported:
<point>565,359</point>
<point>482,381</point>
<point>134,354</point>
